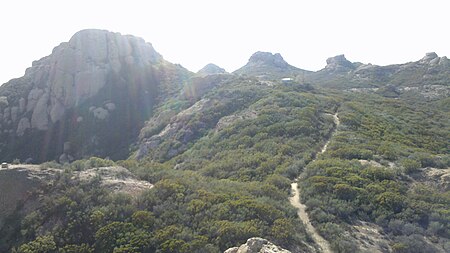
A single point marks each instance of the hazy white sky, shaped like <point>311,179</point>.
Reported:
<point>196,32</point>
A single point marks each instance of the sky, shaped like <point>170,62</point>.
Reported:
<point>197,32</point>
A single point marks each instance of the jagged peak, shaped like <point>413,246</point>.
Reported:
<point>211,69</point>
<point>269,59</point>
<point>430,56</point>
<point>339,61</point>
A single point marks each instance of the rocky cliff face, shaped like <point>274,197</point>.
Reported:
<point>339,64</point>
<point>97,82</point>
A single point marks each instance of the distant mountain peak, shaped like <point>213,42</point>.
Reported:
<point>268,59</point>
<point>339,62</point>
<point>211,69</point>
<point>266,65</point>
<point>430,56</point>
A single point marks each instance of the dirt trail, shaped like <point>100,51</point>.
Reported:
<point>301,208</point>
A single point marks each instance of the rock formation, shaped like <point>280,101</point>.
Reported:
<point>268,59</point>
<point>339,64</point>
<point>113,73</point>
<point>267,66</point>
<point>257,245</point>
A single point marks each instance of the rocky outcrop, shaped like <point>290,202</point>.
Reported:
<point>119,75</point>
<point>429,58</point>
<point>266,58</point>
<point>178,129</point>
<point>257,245</point>
<point>18,182</point>
<point>211,69</point>
<point>78,69</point>
<point>339,64</point>
<point>268,66</point>
<point>115,178</point>
<point>231,119</point>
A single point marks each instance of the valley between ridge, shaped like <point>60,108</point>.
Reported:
<point>301,208</point>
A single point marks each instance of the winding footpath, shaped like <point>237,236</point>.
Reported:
<point>301,208</point>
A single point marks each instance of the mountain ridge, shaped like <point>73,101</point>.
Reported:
<point>218,154</point>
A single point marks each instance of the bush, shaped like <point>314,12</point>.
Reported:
<point>410,165</point>
<point>42,244</point>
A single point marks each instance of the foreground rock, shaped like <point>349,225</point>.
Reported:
<point>257,245</point>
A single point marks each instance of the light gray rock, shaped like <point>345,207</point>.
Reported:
<point>57,111</point>
<point>232,250</point>
<point>257,245</point>
<point>110,106</point>
<point>428,57</point>
<point>77,70</point>
<point>14,113</point>
<point>444,61</point>
<point>88,83</point>
<point>65,158</point>
<point>268,58</point>
<point>100,113</point>
<point>66,146</point>
<point>6,113</point>
<point>23,125</point>
<point>22,105</point>
<point>33,98</point>
<point>39,119</point>
<point>3,101</point>
<point>62,87</point>
<point>90,42</point>
<point>73,75</point>
<point>435,61</point>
